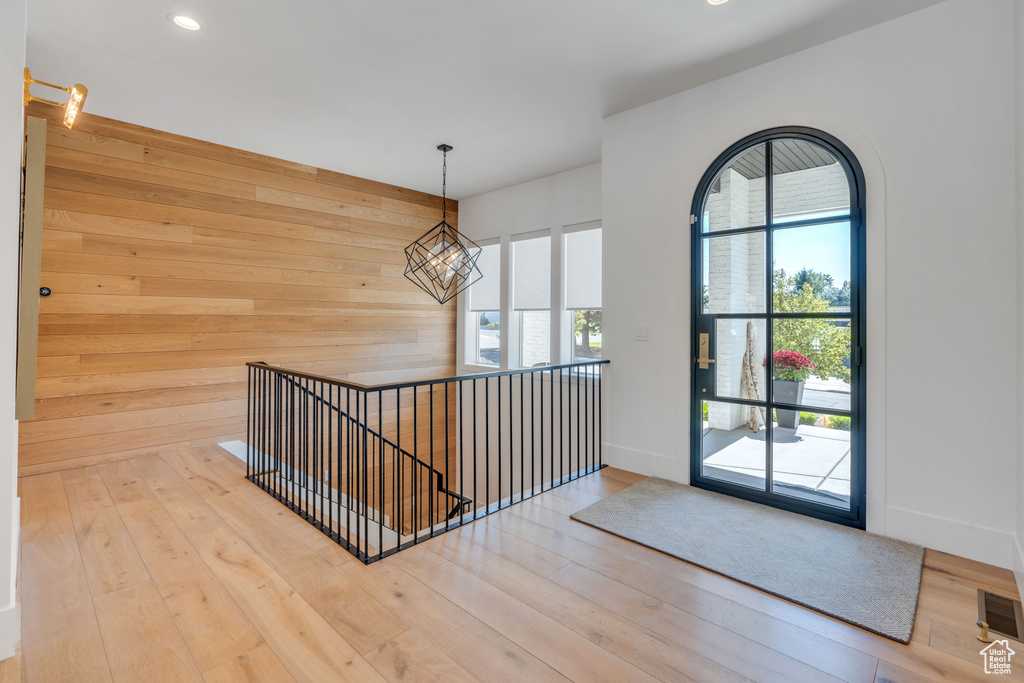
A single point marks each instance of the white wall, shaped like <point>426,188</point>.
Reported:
<point>1019,78</point>
<point>926,103</point>
<point>548,203</point>
<point>12,64</point>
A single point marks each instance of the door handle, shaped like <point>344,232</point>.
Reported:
<point>703,347</point>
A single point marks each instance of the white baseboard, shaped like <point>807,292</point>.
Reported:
<point>10,630</point>
<point>975,542</point>
<point>643,462</point>
<point>10,618</point>
<point>1018,564</point>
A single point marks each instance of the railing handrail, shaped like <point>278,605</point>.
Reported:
<point>423,382</point>
<point>383,439</point>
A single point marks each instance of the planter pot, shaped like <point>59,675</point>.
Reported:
<point>788,391</point>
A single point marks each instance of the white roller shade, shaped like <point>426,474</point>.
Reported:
<point>583,270</point>
<point>485,293</point>
<point>531,274</point>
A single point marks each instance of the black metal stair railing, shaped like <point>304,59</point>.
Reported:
<point>457,500</point>
<point>381,468</point>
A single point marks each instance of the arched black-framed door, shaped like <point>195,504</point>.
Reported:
<point>778,283</point>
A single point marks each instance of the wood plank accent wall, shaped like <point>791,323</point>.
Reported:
<point>174,261</point>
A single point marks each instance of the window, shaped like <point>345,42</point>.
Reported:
<point>531,299</point>
<point>583,292</point>
<point>485,306</point>
<point>539,301</point>
<point>488,337</point>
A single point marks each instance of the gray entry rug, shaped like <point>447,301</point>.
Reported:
<point>867,580</point>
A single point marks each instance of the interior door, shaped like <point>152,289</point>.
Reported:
<point>29,289</point>
<point>778,363</point>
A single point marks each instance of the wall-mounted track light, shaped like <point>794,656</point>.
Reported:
<point>72,108</point>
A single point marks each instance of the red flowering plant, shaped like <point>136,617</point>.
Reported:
<point>792,366</point>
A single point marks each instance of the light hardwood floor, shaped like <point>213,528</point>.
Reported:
<point>171,566</point>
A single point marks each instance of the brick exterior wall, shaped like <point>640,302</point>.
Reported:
<point>535,338</point>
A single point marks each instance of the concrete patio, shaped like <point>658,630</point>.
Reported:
<point>828,393</point>
<point>809,462</point>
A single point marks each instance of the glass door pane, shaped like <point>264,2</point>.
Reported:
<point>812,269</point>
<point>734,275</point>
<point>812,355</point>
<point>731,451</point>
<point>811,459</point>
<point>736,198</point>
<point>807,182</point>
<point>739,359</point>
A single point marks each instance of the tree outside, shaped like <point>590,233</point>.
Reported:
<point>823,285</point>
<point>821,340</point>
<point>585,324</point>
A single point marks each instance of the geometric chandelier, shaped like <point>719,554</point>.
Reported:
<point>442,262</point>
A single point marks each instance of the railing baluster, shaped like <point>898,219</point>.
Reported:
<point>487,444</point>
<point>586,420</point>
<point>511,478</point>
<point>563,415</point>
<point>294,413</point>
<point>430,475</point>
<point>447,458</point>
<point>569,430</point>
<point>476,444</point>
<point>366,473</point>
<point>533,431</point>
<point>462,453</point>
<point>498,464</point>
<point>522,443</point>
<point>551,456</point>
<point>380,473</point>
<point>579,423</point>
<point>399,465</point>
<point>263,439</point>
<point>415,470</point>
<point>595,417</point>
<point>275,433</point>
<point>349,466</point>
<point>355,472</point>
<point>588,389</point>
<point>249,388</point>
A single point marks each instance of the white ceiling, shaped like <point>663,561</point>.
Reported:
<point>370,87</point>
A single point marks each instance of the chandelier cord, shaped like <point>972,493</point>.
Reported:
<point>444,187</point>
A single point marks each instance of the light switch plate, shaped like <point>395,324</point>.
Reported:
<point>640,333</point>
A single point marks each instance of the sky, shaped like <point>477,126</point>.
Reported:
<point>824,248</point>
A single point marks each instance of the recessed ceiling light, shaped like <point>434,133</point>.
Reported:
<point>717,2</point>
<point>187,23</point>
